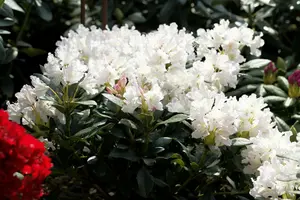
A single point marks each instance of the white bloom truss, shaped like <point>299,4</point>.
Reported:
<point>162,67</point>
<point>173,70</point>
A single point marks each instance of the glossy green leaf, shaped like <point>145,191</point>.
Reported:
<point>10,55</point>
<point>167,11</point>
<point>118,14</point>
<point>160,183</point>
<point>174,119</point>
<point>6,22</point>
<point>256,63</point>
<point>6,11</point>
<point>261,91</point>
<point>2,52</point>
<point>283,83</point>
<point>158,150</point>
<point>145,182</point>
<point>243,90</point>
<point>84,132</point>
<point>280,64</point>
<point>256,73</point>
<point>114,99</point>
<point>250,80</point>
<point>296,116</point>
<point>163,141</point>
<point>282,125</point>
<point>7,86</point>
<point>118,133</point>
<point>240,141</point>
<point>87,103</point>
<point>274,99</point>
<point>128,123</point>
<point>289,102</point>
<point>13,5</point>
<point>179,162</point>
<point>149,161</point>
<point>124,154</point>
<point>4,32</point>
<point>44,12</point>
<point>137,17</point>
<point>275,90</point>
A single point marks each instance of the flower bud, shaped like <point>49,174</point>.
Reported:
<point>294,84</point>
<point>119,88</point>
<point>270,73</point>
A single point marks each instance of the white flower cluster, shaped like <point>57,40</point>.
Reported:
<point>168,69</point>
<point>275,161</point>
<point>220,117</point>
<point>153,71</point>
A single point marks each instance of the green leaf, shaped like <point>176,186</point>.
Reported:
<point>289,102</point>
<point>1,3</point>
<point>256,63</point>
<point>280,64</point>
<point>128,123</point>
<point>32,52</point>
<point>273,99</point>
<point>118,133</point>
<point>2,52</point>
<point>167,11</point>
<point>194,166</point>
<point>163,141</point>
<point>6,11</point>
<point>10,55</point>
<point>149,161</point>
<point>44,12</point>
<point>160,183</point>
<point>261,91</point>
<point>87,103</point>
<point>7,86</point>
<point>13,5</point>
<point>124,154</point>
<point>137,17</point>
<point>145,182</point>
<point>256,73</point>
<point>275,90</point>
<point>240,142</point>
<point>6,22</point>
<point>243,90</point>
<point>118,14</point>
<point>250,80</point>
<point>282,126</point>
<point>114,99</point>
<point>158,149</point>
<point>176,156</point>
<point>294,131</point>
<point>174,119</point>
<point>84,132</point>
<point>283,83</point>
<point>4,32</point>
<point>296,116</point>
<point>179,162</point>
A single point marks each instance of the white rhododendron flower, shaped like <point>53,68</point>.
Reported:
<point>162,68</point>
<point>168,70</point>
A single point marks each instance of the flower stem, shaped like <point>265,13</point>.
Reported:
<point>25,22</point>
<point>185,183</point>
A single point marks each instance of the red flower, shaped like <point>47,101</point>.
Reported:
<point>23,163</point>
